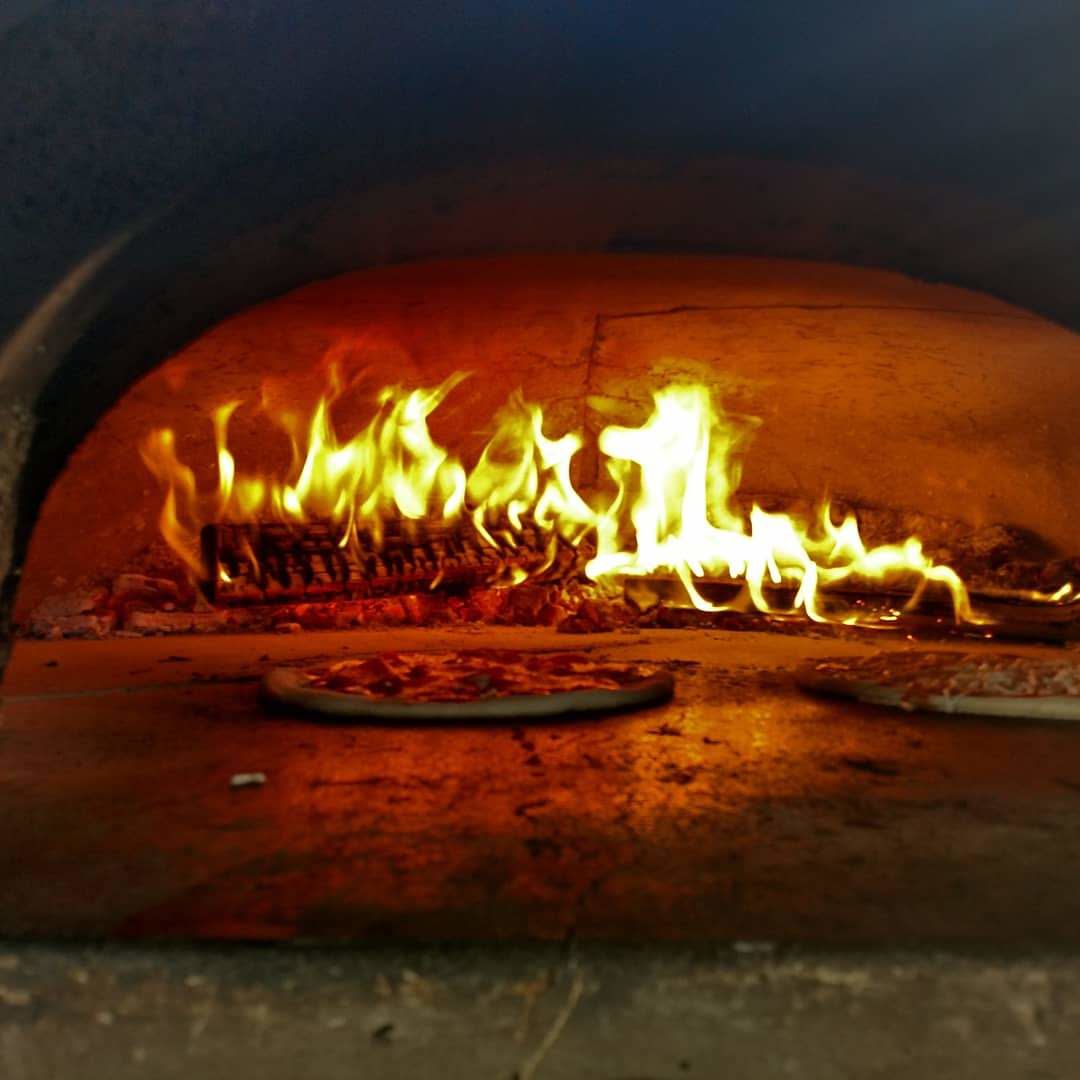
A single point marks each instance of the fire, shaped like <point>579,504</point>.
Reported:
<point>391,467</point>
<point>669,508</point>
<point>683,463</point>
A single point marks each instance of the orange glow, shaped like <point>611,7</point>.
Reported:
<point>669,507</point>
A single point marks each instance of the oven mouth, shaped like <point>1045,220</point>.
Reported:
<point>845,240</point>
<point>623,474</point>
<point>921,410</point>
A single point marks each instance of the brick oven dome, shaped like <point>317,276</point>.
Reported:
<point>168,167</point>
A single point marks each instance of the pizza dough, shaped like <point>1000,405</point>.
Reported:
<point>981,684</point>
<point>474,684</point>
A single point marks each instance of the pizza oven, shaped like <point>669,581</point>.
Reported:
<point>720,342</point>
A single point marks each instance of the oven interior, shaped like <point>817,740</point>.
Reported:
<point>742,809</point>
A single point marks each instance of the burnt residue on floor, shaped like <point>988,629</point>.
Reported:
<point>742,809</point>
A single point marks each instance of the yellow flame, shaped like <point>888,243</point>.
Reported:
<point>682,465</point>
<point>182,532</point>
<point>670,507</point>
<point>522,472</point>
<point>391,468</point>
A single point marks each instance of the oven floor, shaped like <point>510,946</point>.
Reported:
<point>742,810</point>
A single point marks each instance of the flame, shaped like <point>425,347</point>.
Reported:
<point>683,468</point>
<point>670,507</point>
<point>390,468</point>
<point>523,472</point>
<point>180,528</point>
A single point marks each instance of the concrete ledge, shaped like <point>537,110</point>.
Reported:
<point>541,1013</point>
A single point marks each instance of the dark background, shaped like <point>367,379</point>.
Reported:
<point>112,110</point>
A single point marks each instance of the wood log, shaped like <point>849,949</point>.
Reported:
<point>256,563</point>
<point>1012,615</point>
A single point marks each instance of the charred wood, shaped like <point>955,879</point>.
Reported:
<point>255,563</point>
<point>1005,614</point>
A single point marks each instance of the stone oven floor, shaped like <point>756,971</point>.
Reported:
<point>743,810</point>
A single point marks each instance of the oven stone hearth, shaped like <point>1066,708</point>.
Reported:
<point>743,809</point>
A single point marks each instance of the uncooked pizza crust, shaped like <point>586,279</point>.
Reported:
<point>981,684</point>
<point>475,684</point>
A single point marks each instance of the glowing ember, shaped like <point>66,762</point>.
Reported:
<point>669,508</point>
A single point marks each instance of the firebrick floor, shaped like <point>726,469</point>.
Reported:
<point>743,810</point>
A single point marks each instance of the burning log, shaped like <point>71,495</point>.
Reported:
<point>1013,615</point>
<point>674,509</point>
<point>254,563</point>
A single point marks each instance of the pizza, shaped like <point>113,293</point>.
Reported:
<point>978,683</point>
<point>467,684</point>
